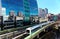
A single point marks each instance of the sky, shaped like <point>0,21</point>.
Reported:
<point>52,5</point>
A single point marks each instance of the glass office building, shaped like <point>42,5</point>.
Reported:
<point>27,7</point>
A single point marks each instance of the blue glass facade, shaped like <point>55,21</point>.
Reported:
<point>27,7</point>
<point>16,5</point>
<point>33,7</point>
<point>26,10</point>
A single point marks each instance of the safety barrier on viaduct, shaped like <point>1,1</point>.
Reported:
<point>45,29</point>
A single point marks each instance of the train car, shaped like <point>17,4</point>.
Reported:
<point>45,23</point>
<point>31,30</point>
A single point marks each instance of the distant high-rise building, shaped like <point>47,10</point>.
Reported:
<point>39,12</point>
<point>43,12</point>
<point>46,10</point>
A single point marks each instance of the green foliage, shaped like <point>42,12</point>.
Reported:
<point>3,32</point>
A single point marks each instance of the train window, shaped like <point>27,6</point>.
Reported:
<point>27,31</point>
<point>44,25</point>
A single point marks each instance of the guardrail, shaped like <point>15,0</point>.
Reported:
<point>38,31</point>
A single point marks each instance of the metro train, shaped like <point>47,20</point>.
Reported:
<point>31,30</point>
